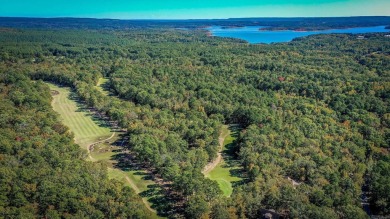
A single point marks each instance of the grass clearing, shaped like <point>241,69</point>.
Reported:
<point>100,86</point>
<point>127,178</point>
<point>108,153</point>
<point>80,121</point>
<point>227,172</point>
<point>139,180</point>
<point>88,130</point>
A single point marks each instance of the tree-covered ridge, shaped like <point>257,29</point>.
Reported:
<point>297,23</point>
<point>314,111</point>
<point>43,173</point>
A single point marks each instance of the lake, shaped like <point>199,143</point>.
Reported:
<point>252,34</point>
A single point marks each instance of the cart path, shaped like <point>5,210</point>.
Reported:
<point>89,146</point>
<point>212,165</point>
<point>137,190</point>
<point>96,143</point>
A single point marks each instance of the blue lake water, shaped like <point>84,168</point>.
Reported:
<point>252,34</point>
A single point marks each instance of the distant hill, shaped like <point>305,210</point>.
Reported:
<point>273,23</point>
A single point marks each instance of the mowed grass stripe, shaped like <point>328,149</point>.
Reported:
<point>79,121</point>
<point>88,131</point>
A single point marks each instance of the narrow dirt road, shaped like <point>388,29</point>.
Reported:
<point>137,190</point>
<point>130,181</point>
<point>95,143</point>
<point>210,166</point>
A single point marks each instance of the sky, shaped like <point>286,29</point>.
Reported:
<point>192,9</point>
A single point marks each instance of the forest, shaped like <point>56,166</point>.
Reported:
<point>314,114</point>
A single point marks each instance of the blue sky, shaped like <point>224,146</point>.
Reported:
<point>189,9</point>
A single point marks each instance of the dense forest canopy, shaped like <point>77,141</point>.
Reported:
<point>314,111</point>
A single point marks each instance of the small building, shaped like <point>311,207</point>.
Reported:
<point>388,35</point>
<point>360,37</point>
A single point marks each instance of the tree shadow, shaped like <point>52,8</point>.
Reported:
<point>108,88</point>
<point>230,156</point>
<point>98,118</point>
<point>157,194</point>
<point>124,162</point>
<point>240,173</point>
<point>240,182</point>
<point>120,141</point>
<point>160,201</point>
<point>235,130</point>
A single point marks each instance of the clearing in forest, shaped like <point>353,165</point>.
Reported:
<point>225,169</point>
<point>81,121</point>
<point>91,130</point>
<point>102,86</point>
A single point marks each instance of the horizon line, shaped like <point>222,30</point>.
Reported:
<point>186,19</point>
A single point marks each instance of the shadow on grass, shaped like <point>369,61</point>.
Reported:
<point>96,117</point>
<point>106,86</point>
<point>163,204</point>
<point>109,88</point>
<point>235,130</point>
<point>121,141</point>
<point>157,195</point>
<point>230,156</point>
<point>240,182</point>
<point>240,173</point>
<point>145,175</point>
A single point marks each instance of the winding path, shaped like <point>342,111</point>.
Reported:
<point>96,143</point>
<point>131,182</point>
<point>62,108</point>
<point>210,166</point>
<point>136,189</point>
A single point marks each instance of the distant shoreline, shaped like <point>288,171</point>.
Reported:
<point>270,23</point>
<point>267,35</point>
